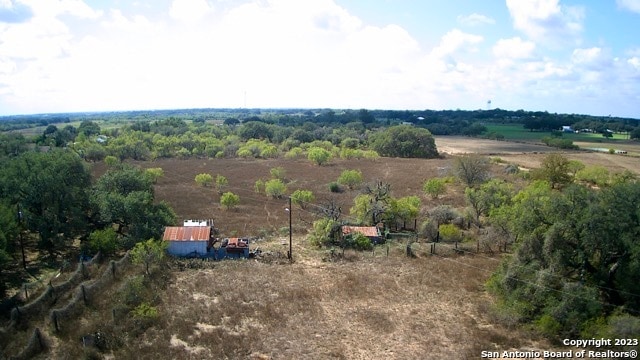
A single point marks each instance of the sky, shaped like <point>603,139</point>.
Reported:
<point>561,56</point>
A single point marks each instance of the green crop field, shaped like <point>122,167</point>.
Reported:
<point>518,132</point>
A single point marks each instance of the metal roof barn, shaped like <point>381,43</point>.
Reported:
<point>187,240</point>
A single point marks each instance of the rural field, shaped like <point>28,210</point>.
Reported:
<point>323,305</point>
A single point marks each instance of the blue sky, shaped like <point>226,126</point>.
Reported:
<point>564,56</point>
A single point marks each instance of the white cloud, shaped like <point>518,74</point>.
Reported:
<point>189,10</point>
<point>475,20</point>
<point>53,8</point>
<point>594,58</point>
<point>631,5</point>
<point>456,40</point>
<point>546,20</point>
<point>513,48</point>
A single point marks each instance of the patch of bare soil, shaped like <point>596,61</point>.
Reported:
<point>456,145</point>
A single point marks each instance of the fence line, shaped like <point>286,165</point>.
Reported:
<point>86,292</point>
<point>37,343</point>
<point>50,295</point>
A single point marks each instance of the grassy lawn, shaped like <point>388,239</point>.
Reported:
<point>518,132</point>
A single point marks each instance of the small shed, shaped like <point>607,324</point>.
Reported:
<point>188,240</point>
<point>372,232</point>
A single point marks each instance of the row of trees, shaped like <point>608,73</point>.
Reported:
<point>49,197</point>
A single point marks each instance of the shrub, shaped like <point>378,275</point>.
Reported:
<point>361,242</point>
<point>450,232</point>
<point>259,186</point>
<point>434,187</point>
<point>111,160</point>
<point>350,178</point>
<point>334,187</point>
<point>302,197</point>
<point>318,155</point>
<point>204,179</point>
<point>278,173</point>
<point>275,188</point>
<point>229,200</point>
<point>104,241</point>
<point>221,183</point>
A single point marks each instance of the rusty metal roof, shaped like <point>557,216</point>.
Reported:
<point>187,233</point>
<point>368,231</point>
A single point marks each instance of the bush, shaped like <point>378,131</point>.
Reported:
<point>275,188</point>
<point>221,183</point>
<point>318,155</point>
<point>229,200</point>
<point>434,187</point>
<point>350,178</point>
<point>278,173</point>
<point>204,179</point>
<point>302,197</point>
<point>450,232</point>
<point>104,241</point>
<point>361,242</point>
<point>259,186</point>
<point>334,187</point>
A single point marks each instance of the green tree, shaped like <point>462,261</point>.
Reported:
<point>275,188</point>
<point>435,187</point>
<point>555,169</point>
<point>450,232</point>
<point>594,175</point>
<point>9,230</point>
<point>472,170</point>
<point>302,198</point>
<point>278,173</point>
<point>406,208</point>
<point>204,179</point>
<point>124,196</point>
<point>488,196</point>
<point>221,183</point>
<point>350,178</point>
<point>103,241</point>
<point>148,253</point>
<point>229,200</point>
<point>111,160</point>
<point>324,232</point>
<point>318,155</point>
<point>404,141</point>
<point>89,128</point>
<point>154,174</point>
<point>52,190</point>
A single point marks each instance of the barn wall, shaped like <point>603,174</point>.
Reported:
<point>184,248</point>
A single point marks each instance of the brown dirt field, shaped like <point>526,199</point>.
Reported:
<point>259,214</point>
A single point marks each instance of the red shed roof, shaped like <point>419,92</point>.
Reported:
<point>368,231</point>
<point>187,233</point>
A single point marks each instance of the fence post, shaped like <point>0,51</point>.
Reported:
<point>55,320</point>
<point>26,293</point>
<point>113,268</point>
<point>39,337</point>
<point>84,294</point>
